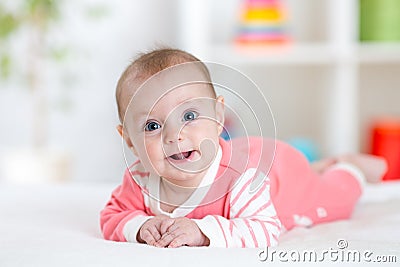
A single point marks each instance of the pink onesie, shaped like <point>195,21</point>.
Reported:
<point>243,200</point>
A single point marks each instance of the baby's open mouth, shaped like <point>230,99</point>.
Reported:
<point>182,155</point>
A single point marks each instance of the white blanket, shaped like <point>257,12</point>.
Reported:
<point>58,225</point>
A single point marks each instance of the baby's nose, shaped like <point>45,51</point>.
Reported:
<point>173,133</point>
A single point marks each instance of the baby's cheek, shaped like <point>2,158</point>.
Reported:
<point>148,153</point>
<point>209,133</point>
<point>155,155</point>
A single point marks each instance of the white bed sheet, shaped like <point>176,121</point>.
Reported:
<point>57,225</point>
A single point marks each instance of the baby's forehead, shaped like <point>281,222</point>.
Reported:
<point>167,81</point>
<point>146,99</point>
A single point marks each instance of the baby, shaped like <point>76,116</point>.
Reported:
<point>192,188</point>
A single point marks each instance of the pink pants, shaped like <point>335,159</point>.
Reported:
<point>304,198</point>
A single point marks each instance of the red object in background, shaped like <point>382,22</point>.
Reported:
<point>386,143</point>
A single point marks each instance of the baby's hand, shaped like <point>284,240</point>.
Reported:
<point>181,232</point>
<point>150,232</point>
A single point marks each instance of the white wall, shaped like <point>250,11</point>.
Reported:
<point>99,50</point>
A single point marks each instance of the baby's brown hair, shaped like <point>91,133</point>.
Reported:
<point>148,64</point>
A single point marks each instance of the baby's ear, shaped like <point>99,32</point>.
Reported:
<point>126,138</point>
<point>220,112</point>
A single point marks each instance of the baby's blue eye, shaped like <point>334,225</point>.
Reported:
<point>152,126</point>
<point>190,115</point>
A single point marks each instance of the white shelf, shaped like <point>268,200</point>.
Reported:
<point>379,53</point>
<point>274,54</point>
<point>301,54</point>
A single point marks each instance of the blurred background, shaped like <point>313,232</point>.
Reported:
<point>330,70</point>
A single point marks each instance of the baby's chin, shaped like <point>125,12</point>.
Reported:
<point>180,175</point>
<point>183,177</point>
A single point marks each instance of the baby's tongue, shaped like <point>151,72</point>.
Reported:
<point>180,156</point>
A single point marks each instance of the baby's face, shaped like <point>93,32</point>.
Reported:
<point>175,134</point>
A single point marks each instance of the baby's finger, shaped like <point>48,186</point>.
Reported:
<point>147,237</point>
<point>166,238</point>
<point>179,241</point>
<point>173,227</point>
<point>154,231</point>
<point>165,224</point>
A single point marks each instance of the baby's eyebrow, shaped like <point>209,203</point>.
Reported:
<point>183,103</point>
<point>142,116</point>
<point>144,113</point>
<point>138,118</point>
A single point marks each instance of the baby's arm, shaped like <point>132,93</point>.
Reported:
<point>124,213</point>
<point>252,220</point>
